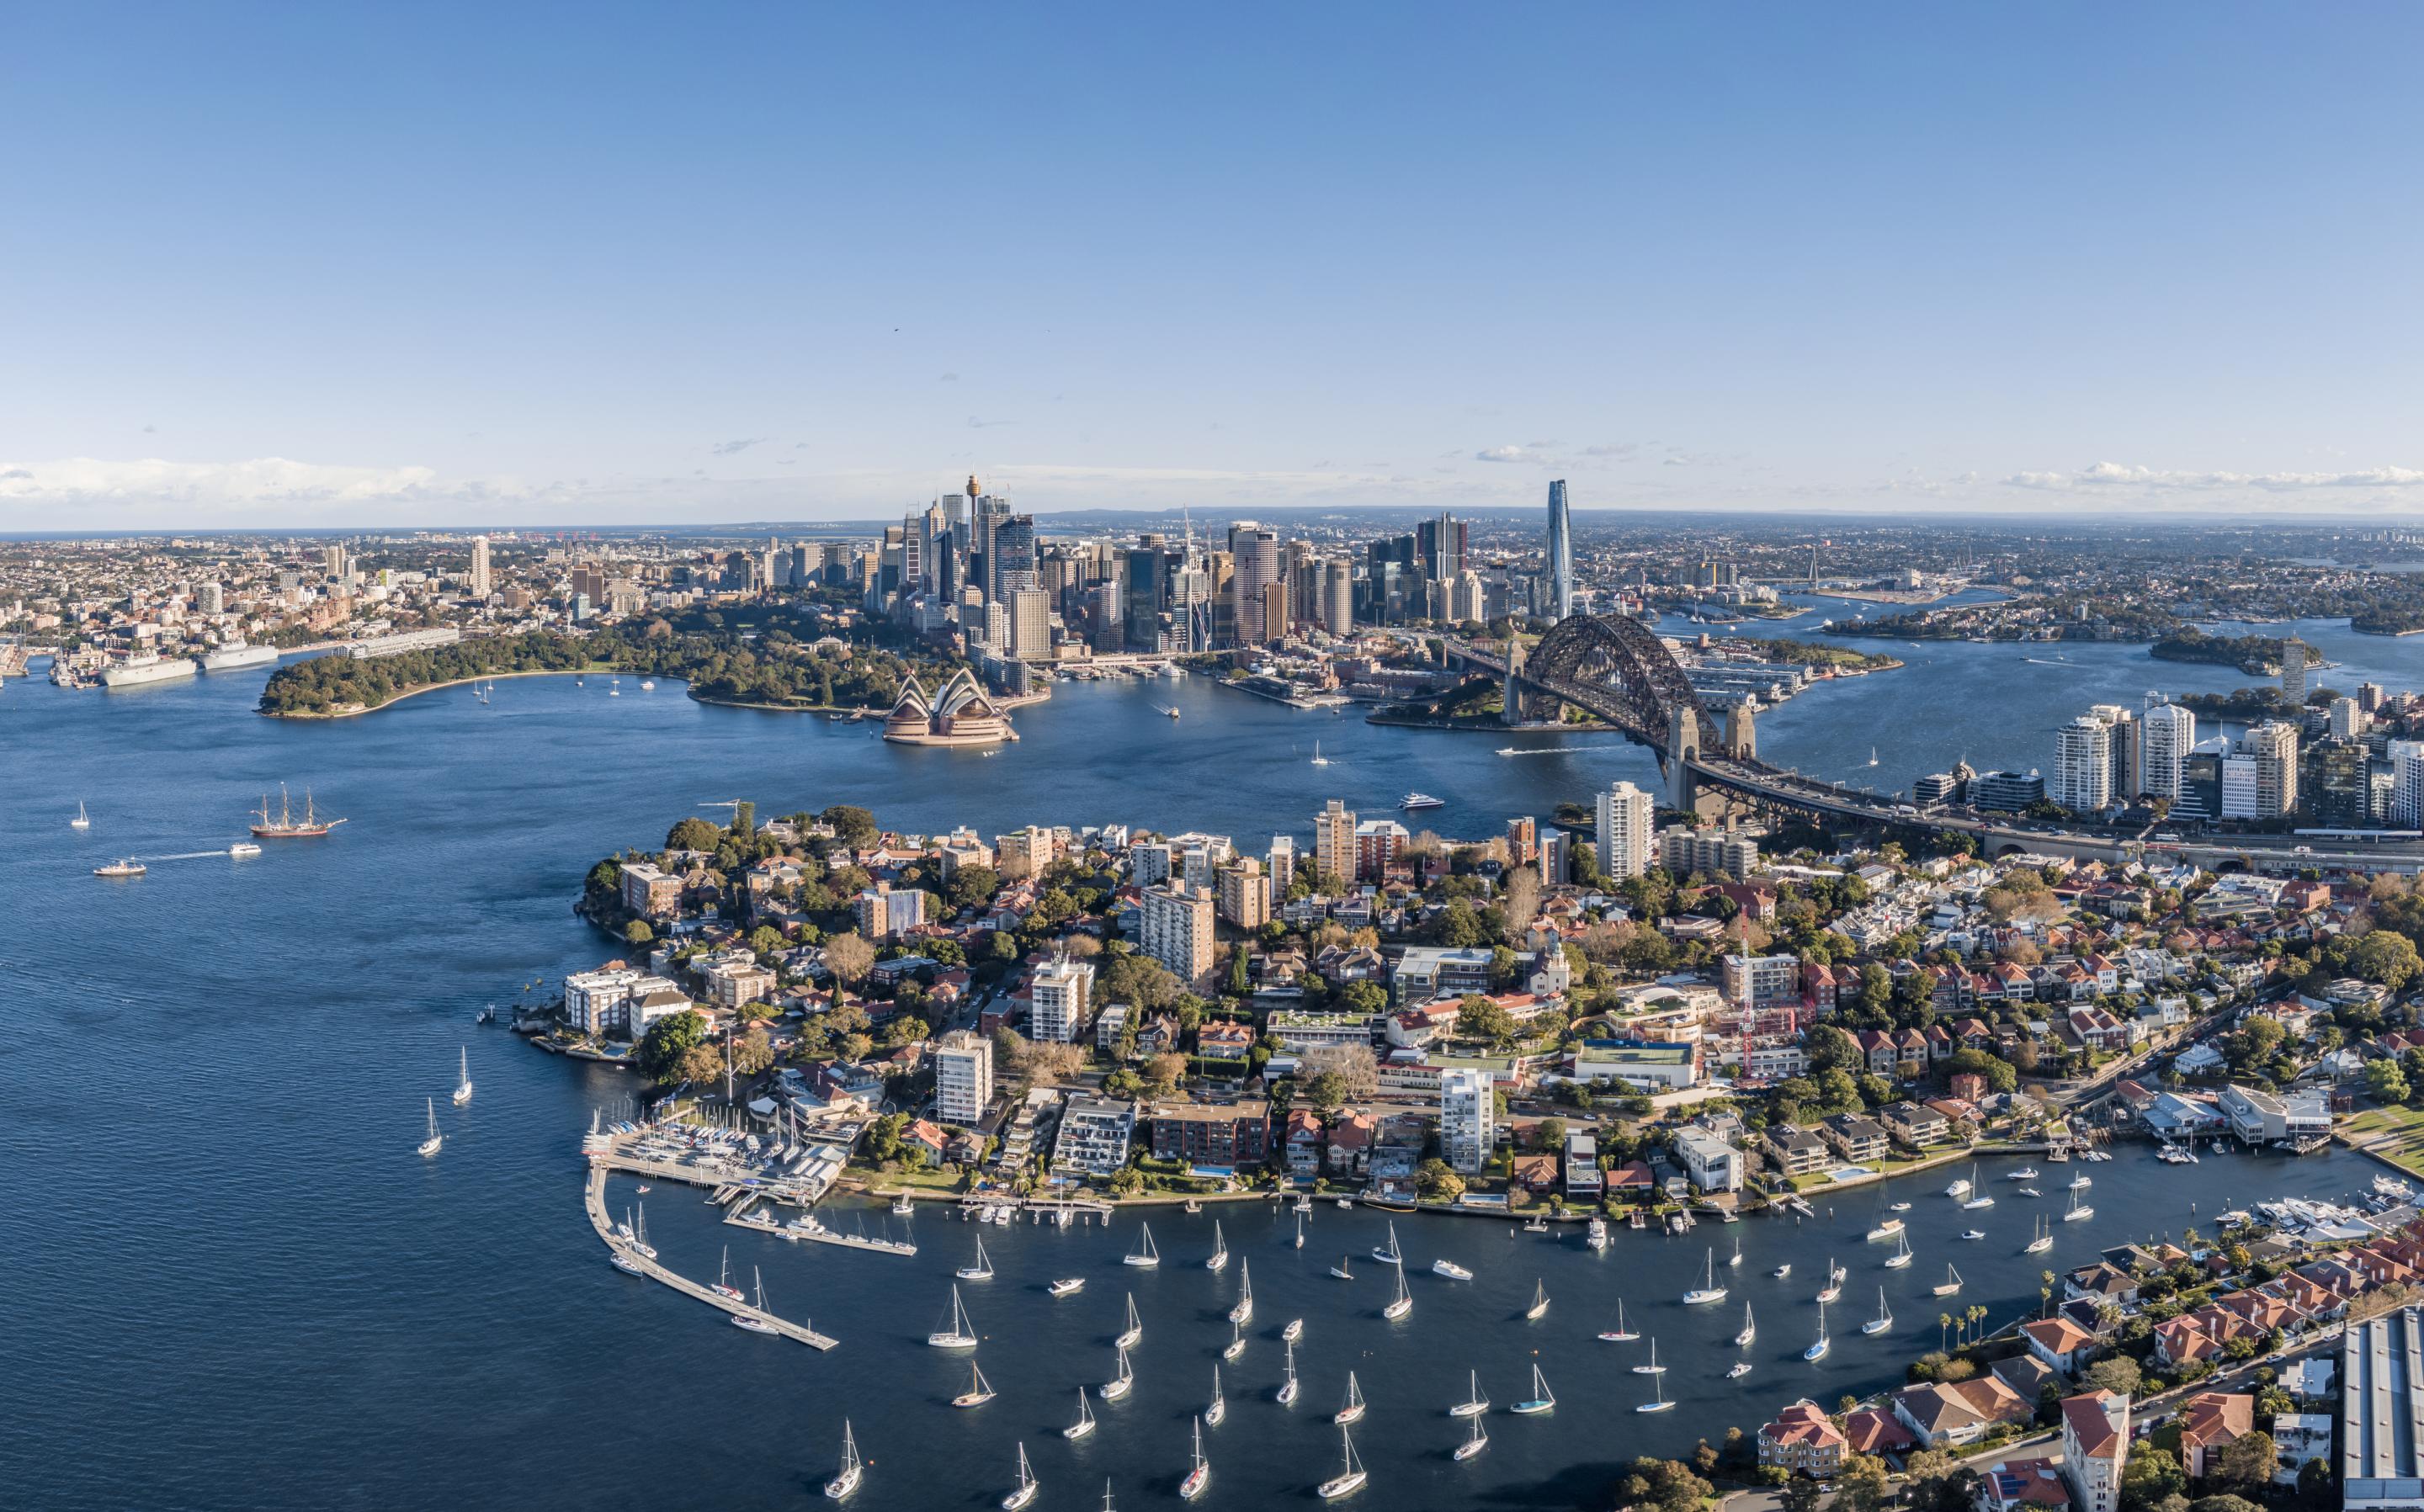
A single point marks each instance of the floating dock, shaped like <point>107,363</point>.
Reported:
<point>596,1203</point>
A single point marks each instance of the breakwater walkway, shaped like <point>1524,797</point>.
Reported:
<point>596,1203</point>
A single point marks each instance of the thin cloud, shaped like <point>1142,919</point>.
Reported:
<point>2124,475</point>
<point>976,425</point>
<point>728,447</point>
<point>1502,453</point>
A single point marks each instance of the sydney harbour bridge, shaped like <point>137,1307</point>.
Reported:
<point>1620,672</point>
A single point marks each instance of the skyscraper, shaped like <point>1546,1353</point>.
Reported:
<point>1177,930</point>
<point>1468,1118</point>
<point>481,582</point>
<point>2274,747</point>
<point>1148,573</point>
<point>1338,597</point>
<point>2293,670</point>
<point>1256,554</point>
<point>1625,816</point>
<point>1561,553</point>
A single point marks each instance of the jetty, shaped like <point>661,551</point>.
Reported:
<point>596,1203</point>
<point>761,1220</point>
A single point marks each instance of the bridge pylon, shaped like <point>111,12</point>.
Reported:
<point>1682,749</point>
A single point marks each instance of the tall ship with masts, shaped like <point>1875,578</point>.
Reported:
<point>286,826</point>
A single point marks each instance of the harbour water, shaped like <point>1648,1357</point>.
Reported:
<point>233,1283</point>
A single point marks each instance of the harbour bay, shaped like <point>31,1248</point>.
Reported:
<point>208,1111</point>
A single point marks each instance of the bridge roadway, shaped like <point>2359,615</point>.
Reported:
<point>598,1219</point>
<point>1775,786</point>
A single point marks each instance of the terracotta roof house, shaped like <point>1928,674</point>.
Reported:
<point>2207,1420</point>
<point>1803,1440</point>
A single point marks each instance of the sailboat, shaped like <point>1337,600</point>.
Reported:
<point>1622,1332</point>
<point>1653,1368</point>
<point>639,1240</point>
<point>1294,1330</point>
<point>754,1322</point>
<point>1542,1398</point>
<point>1218,1407</point>
<point>1834,1287</point>
<point>1119,1385</point>
<point>1028,1484</point>
<point>1219,1260</point>
<point>1978,1196</point>
<point>1473,1446</point>
<point>846,1480</point>
<point>1319,759</point>
<point>1738,1259</point>
<point>1201,1475</point>
<point>1236,1345</point>
<point>1474,1402</point>
<point>1391,1255</point>
<point>1708,1291</point>
<point>724,1286</point>
<point>1245,1307</point>
<point>1883,1319</point>
<point>1144,1254</point>
<point>962,1334</point>
<point>1085,1424</point>
<point>2073,1214</point>
<point>980,1391</point>
<point>1340,1271</point>
<point>1901,1257</point>
<point>430,1145</point>
<point>1657,1402</point>
<point>1951,1283</point>
<point>1405,1299</point>
<point>1818,1350</point>
<point>1353,1409</point>
<point>1287,1396</point>
<point>1135,1330</point>
<point>1749,1329</point>
<point>82,820</point>
<point>463,1086</point>
<point>1539,1299</point>
<point>981,1270</point>
<point>1299,1231</point>
<point>1351,1476</point>
<point>2044,1241</point>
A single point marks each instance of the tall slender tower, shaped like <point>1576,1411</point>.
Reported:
<point>1561,553</point>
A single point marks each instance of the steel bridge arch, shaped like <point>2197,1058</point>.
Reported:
<point>1616,667</point>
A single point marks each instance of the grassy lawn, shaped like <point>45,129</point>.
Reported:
<point>2400,1131</point>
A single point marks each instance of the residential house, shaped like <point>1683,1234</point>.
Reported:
<point>1583,1176</point>
<point>1915,1124</point>
<point>2060,1342</point>
<point>2207,1422</point>
<point>1857,1139</point>
<point>1305,1141</point>
<point>1797,1151</point>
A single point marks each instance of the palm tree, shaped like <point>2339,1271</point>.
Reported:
<point>1943,1321</point>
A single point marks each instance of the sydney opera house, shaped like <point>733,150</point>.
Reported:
<point>959,714</point>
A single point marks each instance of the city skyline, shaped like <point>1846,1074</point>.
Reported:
<point>2067,262</point>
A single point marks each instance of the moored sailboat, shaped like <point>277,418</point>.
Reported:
<point>1951,1284</point>
<point>1286,1394</point>
<point>1539,1299</point>
<point>1708,1291</point>
<point>1351,1477</point>
<point>1199,1476</point>
<point>1749,1329</point>
<point>846,1480</point>
<point>1818,1349</point>
<point>982,1270</point>
<point>980,1391</point>
<point>1120,1384</point>
<point>1085,1424</point>
<point>1245,1307</point>
<point>431,1145</point>
<point>962,1334</point>
<point>1883,1319</point>
<point>1474,1404</point>
<point>1135,1330</point>
<point>1144,1254</point>
<point>1404,1303</point>
<point>1541,1399</point>
<point>1352,1410</point>
<point>1218,1259</point>
<point>1475,1444</point>
<point>462,1093</point>
<point>1623,1333</point>
<point>1218,1406</point>
<point>1028,1484</point>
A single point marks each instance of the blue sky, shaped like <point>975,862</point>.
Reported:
<point>616,264</point>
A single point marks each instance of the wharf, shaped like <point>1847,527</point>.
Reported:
<point>760,1220</point>
<point>596,1203</point>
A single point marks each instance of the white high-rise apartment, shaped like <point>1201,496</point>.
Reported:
<point>1468,1118</point>
<point>2083,765</point>
<point>1625,816</point>
<point>963,1077</point>
<point>2348,719</point>
<point>1178,931</point>
<point>482,581</point>
<point>1058,995</point>
<point>2274,746</point>
<point>1283,865</point>
<point>2166,733</point>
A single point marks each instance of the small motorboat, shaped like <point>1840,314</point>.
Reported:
<point>1067,1286</point>
<point>1974,1234</point>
